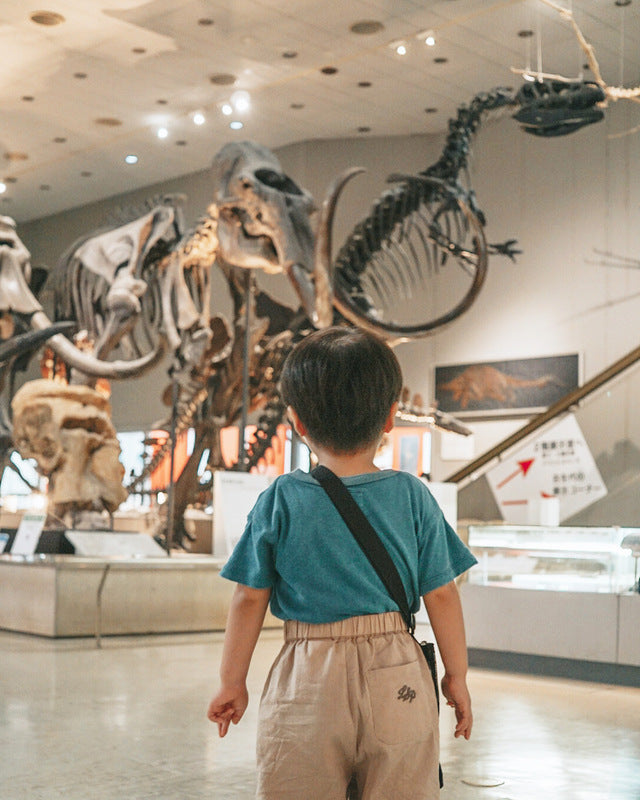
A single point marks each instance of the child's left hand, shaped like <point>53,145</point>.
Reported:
<point>228,705</point>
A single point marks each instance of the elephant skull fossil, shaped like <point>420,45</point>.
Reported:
<point>68,431</point>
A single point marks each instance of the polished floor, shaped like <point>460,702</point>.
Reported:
<point>127,722</point>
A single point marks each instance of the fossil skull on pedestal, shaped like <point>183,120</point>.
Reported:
<point>68,431</point>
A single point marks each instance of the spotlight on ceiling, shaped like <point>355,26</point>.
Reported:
<point>227,109</point>
<point>428,37</point>
<point>236,125</point>
<point>131,159</point>
<point>162,133</point>
<point>3,187</point>
<point>399,47</point>
<point>241,101</point>
<point>199,118</point>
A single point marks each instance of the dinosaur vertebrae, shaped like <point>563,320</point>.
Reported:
<point>399,203</point>
<point>274,409</point>
<point>200,246</point>
<point>454,158</point>
<point>184,420</point>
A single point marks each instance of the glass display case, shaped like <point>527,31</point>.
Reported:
<point>553,558</point>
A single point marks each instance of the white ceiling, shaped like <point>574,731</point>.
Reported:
<point>148,63</point>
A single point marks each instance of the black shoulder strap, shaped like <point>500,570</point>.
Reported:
<point>367,538</point>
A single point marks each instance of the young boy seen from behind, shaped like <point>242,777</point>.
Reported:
<point>349,698</point>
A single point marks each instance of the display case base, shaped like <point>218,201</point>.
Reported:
<point>594,671</point>
<point>66,596</point>
<point>593,636</point>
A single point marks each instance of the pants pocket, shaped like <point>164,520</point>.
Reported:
<point>402,704</point>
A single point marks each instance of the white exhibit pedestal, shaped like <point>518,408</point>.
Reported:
<point>60,595</point>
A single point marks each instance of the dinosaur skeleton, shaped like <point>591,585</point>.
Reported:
<point>145,281</point>
<point>414,230</point>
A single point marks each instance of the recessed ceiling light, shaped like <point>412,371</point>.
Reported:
<point>623,2</point>
<point>440,60</point>
<point>46,18</point>
<point>28,98</point>
<point>162,133</point>
<point>205,21</point>
<point>525,34</point>
<point>329,70</point>
<point>3,187</point>
<point>364,84</point>
<point>80,75</point>
<point>16,155</point>
<point>227,109</point>
<point>399,47</point>
<point>428,37</point>
<point>236,125</point>
<point>109,122</point>
<point>199,118</point>
<point>290,54</point>
<point>366,27</point>
<point>131,159</point>
<point>223,79</point>
<point>241,101</point>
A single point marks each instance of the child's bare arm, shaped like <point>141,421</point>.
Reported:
<point>445,613</point>
<point>246,615</point>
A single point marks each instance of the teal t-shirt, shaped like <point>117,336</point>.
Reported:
<point>296,544</point>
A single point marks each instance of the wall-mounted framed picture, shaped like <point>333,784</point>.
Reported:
<point>519,387</point>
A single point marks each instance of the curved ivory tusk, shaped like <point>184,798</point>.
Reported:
<point>88,364</point>
<point>322,271</point>
<point>29,341</point>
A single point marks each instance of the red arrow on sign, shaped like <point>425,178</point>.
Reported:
<point>523,468</point>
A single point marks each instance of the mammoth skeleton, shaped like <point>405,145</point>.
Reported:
<point>145,282</point>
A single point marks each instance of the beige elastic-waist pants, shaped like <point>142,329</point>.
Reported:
<point>349,699</point>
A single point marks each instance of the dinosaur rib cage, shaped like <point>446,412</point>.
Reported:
<point>388,274</point>
<point>393,258</point>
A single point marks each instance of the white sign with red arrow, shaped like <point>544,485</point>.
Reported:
<point>558,464</point>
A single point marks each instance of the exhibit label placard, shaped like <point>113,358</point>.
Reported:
<point>234,495</point>
<point>28,534</point>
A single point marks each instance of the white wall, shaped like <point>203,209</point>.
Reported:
<point>561,198</point>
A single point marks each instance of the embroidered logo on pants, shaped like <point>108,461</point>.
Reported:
<point>406,693</point>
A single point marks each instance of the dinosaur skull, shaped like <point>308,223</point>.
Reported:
<point>264,216</point>
<point>264,222</point>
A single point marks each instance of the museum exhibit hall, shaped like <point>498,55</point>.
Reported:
<point>191,189</point>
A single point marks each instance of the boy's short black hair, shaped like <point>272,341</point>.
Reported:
<point>342,383</point>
